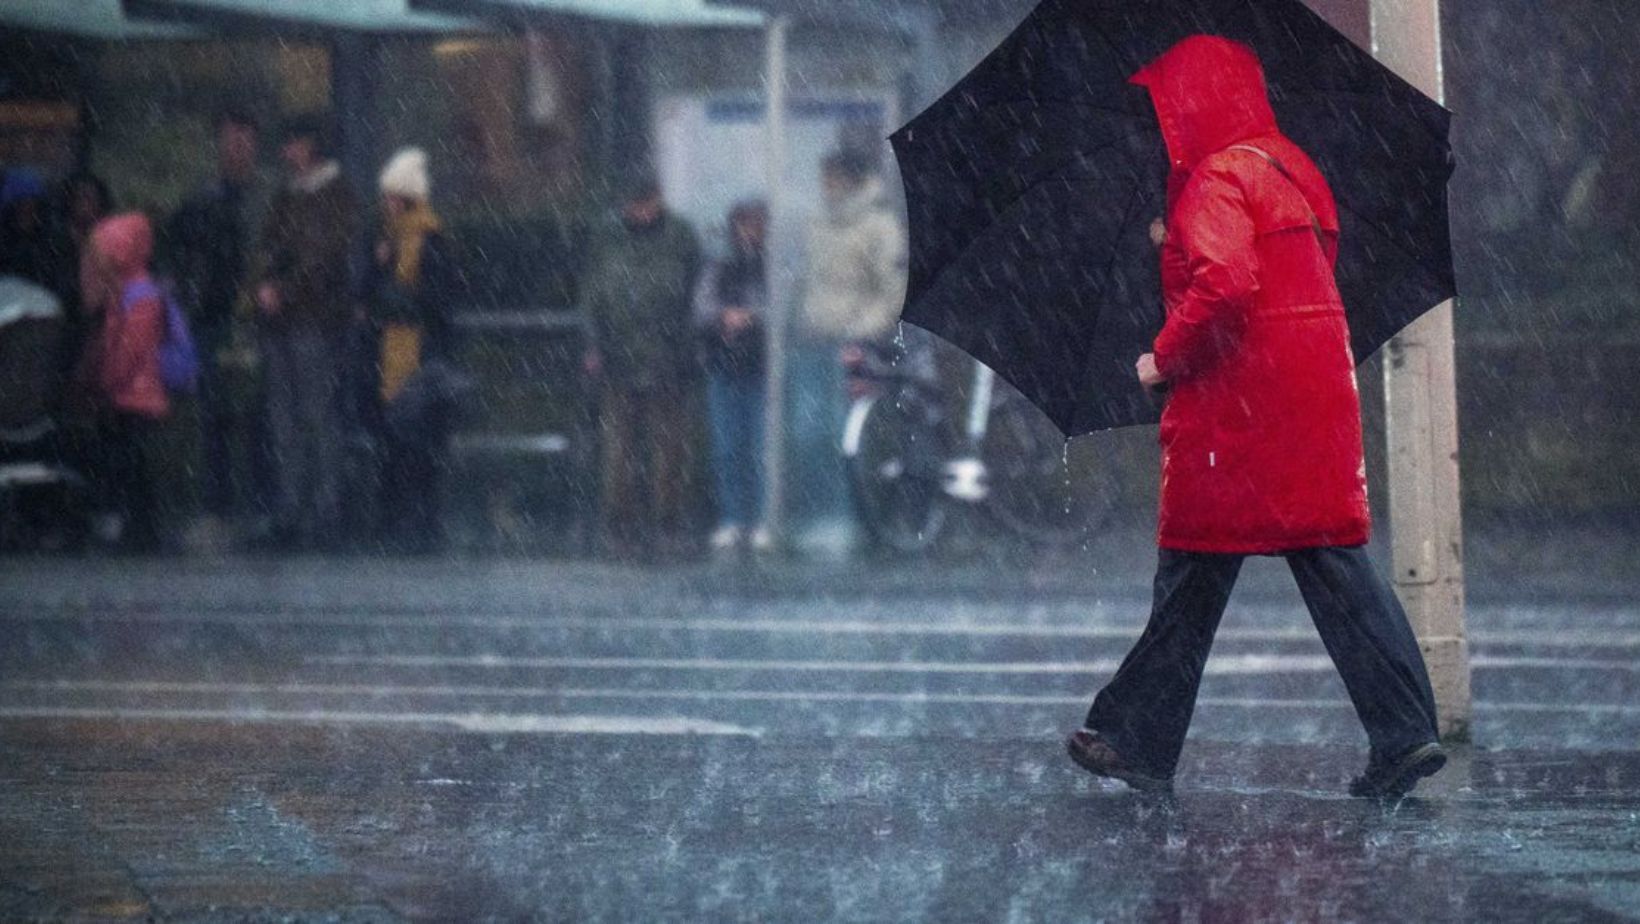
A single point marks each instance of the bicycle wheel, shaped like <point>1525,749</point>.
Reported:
<point>896,444</point>
<point>1039,490</point>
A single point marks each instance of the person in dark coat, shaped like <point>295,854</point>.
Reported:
<point>207,249</point>
<point>81,201</point>
<point>412,287</point>
<point>636,294</point>
<point>25,229</point>
<point>1261,434</point>
<point>305,305</point>
<point>43,233</point>
<point>730,303</point>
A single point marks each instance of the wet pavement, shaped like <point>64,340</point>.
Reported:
<point>375,740</point>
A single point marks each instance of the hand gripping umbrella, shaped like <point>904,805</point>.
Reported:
<point>1031,185</point>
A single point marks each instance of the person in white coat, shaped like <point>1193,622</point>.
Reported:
<point>854,287</point>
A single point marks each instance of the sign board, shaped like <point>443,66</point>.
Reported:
<point>710,150</point>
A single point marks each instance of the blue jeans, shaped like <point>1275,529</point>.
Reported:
<point>302,371</point>
<point>735,405</point>
<point>817,406</point>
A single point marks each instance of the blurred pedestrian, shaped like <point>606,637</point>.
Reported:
<point>82,200</point>
<point>412,287</point>
<point>730,303</point>
<point>304,305</point>
<point>1261,434</point>
<point>123,368</point>
<point>854,287</point>
<point>25,245</point>
<point>636,294</point>
<point>207,248</point>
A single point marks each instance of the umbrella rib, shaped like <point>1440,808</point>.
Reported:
<point>1134,200</point>
<point>1021,102</point>
<point>969,247</point>
<point>1323,96</point>
<point>1050,173</point>
<point>1418,260</point>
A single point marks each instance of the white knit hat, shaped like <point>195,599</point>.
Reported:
<point>406,175</point>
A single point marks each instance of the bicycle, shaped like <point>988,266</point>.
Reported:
<point>912,464</point>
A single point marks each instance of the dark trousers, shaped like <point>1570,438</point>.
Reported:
<point>409,502</point>
<point>1145,710</point>
<point>216,421</point>
<point>125,480</point>
<point>302,369</point>
<point>647,466</point>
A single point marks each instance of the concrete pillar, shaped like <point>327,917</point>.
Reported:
<point>355,74</point>
<point>1421,397</point>
<point>781,228</point>
<point>630,102</point>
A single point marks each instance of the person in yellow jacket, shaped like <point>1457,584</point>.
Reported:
<point>410,293</point>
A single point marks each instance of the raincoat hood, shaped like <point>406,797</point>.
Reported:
<point>1209,94</point>
<point>127,241</point>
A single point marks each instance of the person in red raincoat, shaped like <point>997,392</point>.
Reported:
<point>1261,434</point>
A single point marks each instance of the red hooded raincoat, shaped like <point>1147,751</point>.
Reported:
<point>1261,436</point>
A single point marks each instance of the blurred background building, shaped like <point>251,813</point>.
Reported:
<point>530,108</point>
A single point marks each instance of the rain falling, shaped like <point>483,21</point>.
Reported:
<point>811,460</point>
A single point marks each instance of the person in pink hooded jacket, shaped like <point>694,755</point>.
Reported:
<point>123,368</point>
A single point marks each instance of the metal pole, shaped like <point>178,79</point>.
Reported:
<point>355,64</point>
<point>1421,401</point>
<point>781,291</point>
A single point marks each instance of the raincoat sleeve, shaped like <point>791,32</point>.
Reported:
<point>1216,231</point>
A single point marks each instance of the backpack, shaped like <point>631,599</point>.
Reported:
<point>178,357</point>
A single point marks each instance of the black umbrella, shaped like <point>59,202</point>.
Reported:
<point>1031,185</point>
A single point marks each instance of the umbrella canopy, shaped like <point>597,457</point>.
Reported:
<point>1031,185</point>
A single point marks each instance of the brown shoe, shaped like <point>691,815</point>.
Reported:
<point>1096,756</point>
<point>1392,779</point>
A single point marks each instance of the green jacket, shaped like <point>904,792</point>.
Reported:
<point>636,295</point>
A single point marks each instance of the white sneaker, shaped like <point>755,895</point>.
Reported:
<point>726,537</point>
<point>108,527</point>
<point>762,539</point>
<point>208,535</point>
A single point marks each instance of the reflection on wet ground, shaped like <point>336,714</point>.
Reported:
<point>130,819</point>
<point>375,741</point>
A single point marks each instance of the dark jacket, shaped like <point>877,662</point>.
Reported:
<point>307,248</point>
<point>429,304</point>
<point>636,292</point>
<point>207,247</point>
<point>739,281</point>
